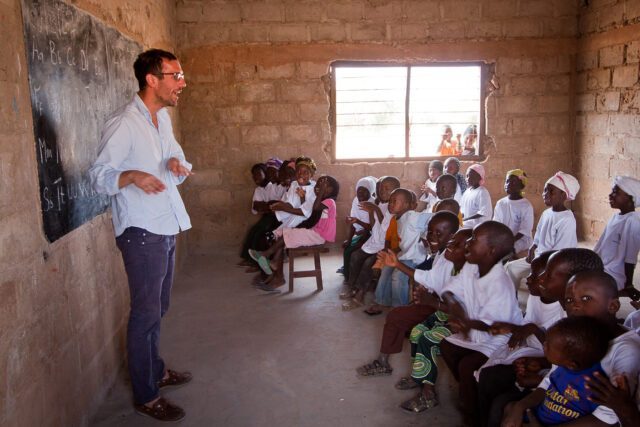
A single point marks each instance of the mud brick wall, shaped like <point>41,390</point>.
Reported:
<point>259,86</point>
<point>607,106</point>
<point>63,306</point>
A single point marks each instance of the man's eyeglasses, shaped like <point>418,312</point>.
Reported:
<point>177,76</point>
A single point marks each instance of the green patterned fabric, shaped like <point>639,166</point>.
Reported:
<point>425,347</point>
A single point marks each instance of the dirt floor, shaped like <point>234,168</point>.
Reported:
<point>276,359</point>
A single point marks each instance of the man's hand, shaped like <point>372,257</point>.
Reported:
<point>143,180</point>
<point>176,168</point>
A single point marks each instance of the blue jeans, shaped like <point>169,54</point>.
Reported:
<point>393,286</point>
<point>149,261</point>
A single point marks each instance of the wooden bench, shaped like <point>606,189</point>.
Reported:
<point>304,251</point>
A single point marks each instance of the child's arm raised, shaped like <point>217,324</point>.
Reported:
<point>372,208</point>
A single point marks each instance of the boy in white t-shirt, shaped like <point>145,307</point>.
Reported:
<point>429,197</point>
<point>557,226</point>
<point>476,201</point>
<point>488,297</point>
<point>620,242</point>
<point>393,285</point>
<point>515,211</point>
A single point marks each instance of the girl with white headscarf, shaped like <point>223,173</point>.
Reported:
<point>620,242</point>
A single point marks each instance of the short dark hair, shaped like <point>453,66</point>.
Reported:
<point>150,62</point>
<point>603,280</point>
<point>499,236</point>
<point>260,166</point>
<point>335,185</point>
<point>585,340</point>
<point>449,205</point>
<point>407,194</point>
<point>580,259</point>
<point>448,218</point>
<point>436,164</point>
<point>392,179</point>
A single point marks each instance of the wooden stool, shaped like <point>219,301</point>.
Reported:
<point>303,251</point>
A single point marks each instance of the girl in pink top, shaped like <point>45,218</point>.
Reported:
<point>319,228</point>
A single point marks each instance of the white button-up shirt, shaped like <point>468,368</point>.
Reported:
<point>130,141</point>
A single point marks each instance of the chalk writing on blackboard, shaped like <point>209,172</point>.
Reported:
<point>80,71</point>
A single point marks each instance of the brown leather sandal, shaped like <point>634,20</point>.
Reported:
<point>175,379</point>
<point>162,410</point>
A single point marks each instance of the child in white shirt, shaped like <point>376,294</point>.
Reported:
<point>429,197</point>
<point>515,211</point>
<point>556,228</point>
<point>619,244</point>
<point>297,203</point>
<point>476,201</point>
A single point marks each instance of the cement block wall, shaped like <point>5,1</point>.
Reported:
<point>63,306</point>
<point>607,107</point>
<point>259,87</point>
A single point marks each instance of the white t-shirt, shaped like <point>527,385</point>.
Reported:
<point>540,314</point>
<point>518,216</point>
<point>555,231</point>
<point>623,357</point>
<point>436,278</point>
<point>375,243</point>
<point>429,198</point>
<point>411,226</point>
<point>632,322</point>
<point>290,220</point>
<point>476,201</point>
<point>358,213</point>
<point>490,299</point>
<point>259,195</point>
<point>619,244</point>
<point>274,191</point>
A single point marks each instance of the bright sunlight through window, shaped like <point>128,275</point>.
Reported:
<point>406,111</point>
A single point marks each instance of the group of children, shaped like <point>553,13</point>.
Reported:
<point>448,266</point>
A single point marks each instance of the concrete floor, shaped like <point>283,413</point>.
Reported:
<point>276,359</point>
<point>285,359</point>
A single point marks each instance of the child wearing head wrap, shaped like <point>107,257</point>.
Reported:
<point>620,243</point>
<point>476,204</point>
<point>515,211</point>
<point>556,228</point>
<point>359,219</point>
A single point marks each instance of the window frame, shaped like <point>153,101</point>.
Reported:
<point>484,72</point>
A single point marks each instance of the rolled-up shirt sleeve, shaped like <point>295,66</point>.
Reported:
<point>115,146</point>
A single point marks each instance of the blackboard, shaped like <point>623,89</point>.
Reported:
<point>80,71</point>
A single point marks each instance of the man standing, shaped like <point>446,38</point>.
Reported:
<point>139,165</point>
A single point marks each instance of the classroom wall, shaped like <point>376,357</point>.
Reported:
<point>608,102</point>
<point>63,306</point>
<point>258,75</point>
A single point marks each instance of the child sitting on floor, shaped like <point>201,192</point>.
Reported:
<point>393,286</point>
<point>297,203</point>
<point>515,211</point>
<point>362,260</point>
<point>488,297</point>
<point>557,226</point>
<point>476,201</point>
<point>318,229</point>
<point>401,320</point>
<point>575,346</point>
<point>620,242</point>
<point>428,196</point>
<point>359,220</point>
<point>497,379</point>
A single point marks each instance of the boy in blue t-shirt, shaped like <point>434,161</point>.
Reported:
<point>575,346</point>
